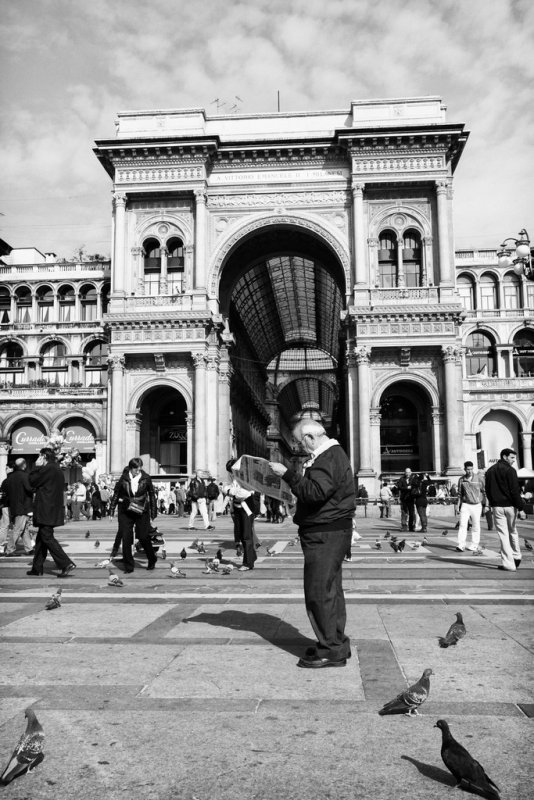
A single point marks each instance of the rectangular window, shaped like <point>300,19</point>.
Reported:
<point>487,298</point>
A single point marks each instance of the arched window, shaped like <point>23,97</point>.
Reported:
<point>387,260</point>
<point>466,289</point>
<point>512,291</point>
<point>5,305</point>
<point>106,291</point>
<point>175,264</point>
<point>489,292</point>
<point>88,299</point>
<point>66,303</point>
<point>11,363</point>
<point>412,258</point>
<point>23,304</point>
<point>152,266</point>
<point>96,363</point>
<point>54,363</point>
<point>480,357</point>
<point>523,354</point>
<point>45,303</point>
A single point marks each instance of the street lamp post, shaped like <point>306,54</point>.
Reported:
<point>522,263</point>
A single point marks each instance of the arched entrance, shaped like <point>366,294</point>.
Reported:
<point>163,431</point>
<point>283,291</point>
<point>405,429</point>
<point>497,430</point>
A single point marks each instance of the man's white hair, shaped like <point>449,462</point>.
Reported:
<point>305,426</point>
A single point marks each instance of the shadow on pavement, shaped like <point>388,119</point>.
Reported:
<point>429,771</point>
<point>272,629</point>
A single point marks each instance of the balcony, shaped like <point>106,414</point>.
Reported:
<point>497,313</point>
<point>18,392</point>
<point>55,270</point>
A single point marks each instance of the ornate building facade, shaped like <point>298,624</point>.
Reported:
<point>265,265</point>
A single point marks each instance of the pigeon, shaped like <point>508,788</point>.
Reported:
<point>208,569</point>
<point>29,750</point>
<point>97,543</point>
<point>394,538</point>
<point>183,554</point>
<point>103,564</point>
<point>55,601</point>
<point>467,770</point>
<point>201,548</point>
<point>214,564</point>
<point>425,540</point>
<point>87,534</point>
<point>408,701</point>
<point>219,554</point>
<point>528,545</point>
<point>378,545</point>
<point>194,545</point>
<point>270,552</point>
<point>387,535</point>
<point>415,545</point>
<point>395,546</point>
<point>175,572</point>
<point>456,632</point>
<point>401,545</point>
<point>114,580</point>
<point>444,533</point>
<point>227,569</point>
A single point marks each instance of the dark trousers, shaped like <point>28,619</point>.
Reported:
<point>323,590</point>
<point>127,524</point>
<point>421,510</point>
<point>408,510</point>
<point>46,542</point>
<point>244,534</point>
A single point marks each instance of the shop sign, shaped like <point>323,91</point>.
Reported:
<point>78,437</point>
<point>28,440</point>
<point>174,433</point>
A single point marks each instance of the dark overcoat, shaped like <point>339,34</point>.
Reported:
<point>49,485</point>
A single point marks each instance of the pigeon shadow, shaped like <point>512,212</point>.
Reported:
<point>432,772</point>
<point>274,630</point>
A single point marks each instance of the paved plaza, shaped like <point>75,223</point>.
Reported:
<point>188,687</point>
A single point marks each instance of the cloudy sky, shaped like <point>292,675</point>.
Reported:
<point>68,66</point>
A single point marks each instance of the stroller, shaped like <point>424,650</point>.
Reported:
<point>158,540</point>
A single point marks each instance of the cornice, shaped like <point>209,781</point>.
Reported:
<point>446,312</point>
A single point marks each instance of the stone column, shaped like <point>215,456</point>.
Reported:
<point>4,453</point>
<point>453,410</point>
<point>437,423</point>
<point>212,414</point>
<point>190,428</point>
<point>200,240</point>
<point>116,429</point>
<point>200,434</point>
<point>428,276</point>
<point>363,358</point>
<point>360,267</point>
<point>163,276</point>
<point>375,417</point>
<point>352,405</point>
<point>132,444</point>
<point>189,267</point>
<point>118,263</point>
<point>138,270</point>
<point>401,276</point>
<point>445,268</point>
<point>374,276</point>
<point>224,437</point>
<point>100,456</point>
<point>526,449</point>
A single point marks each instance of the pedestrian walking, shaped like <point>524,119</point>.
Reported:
<point>386,499</point>
<point>471,503</point>
<point>420,492</point>
<point>326,504</point>
<point>48,483</point>
<point>243,516</point>
<point>406,485</point>
<point>20,496</point>
<point>196,494</point>
<point>212,493</point>
<point>5,522</point>
<point>134,498</point>
<point>179,493</point>
<point>504,497</point>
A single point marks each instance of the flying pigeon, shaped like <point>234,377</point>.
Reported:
<point>467,770</point>
<point>408,701</point>
<point>55,601</point>
<point>183,554</point>
<point>456,632</point>
<point>444,533</point>
<point>97,543</point>
<point>395,546</point>
<point>401,545</point>
<point>201,548</point>
<point>387,535</point>
<point>528,545</point>
<point>87,534</point>
<point>29,750</point>
<point>103,564</point>
<point>219,554</point>
<point>175,572</point>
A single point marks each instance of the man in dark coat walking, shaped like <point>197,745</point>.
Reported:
<point>48,513</point>
<point>504,497</point>
<point>19,496</point>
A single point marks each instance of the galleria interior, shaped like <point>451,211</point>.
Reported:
<point>262,266</point>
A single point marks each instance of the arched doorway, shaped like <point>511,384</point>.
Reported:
<point>497,430</point>
<point>163,432</point>
<point>283,291</point>
<point>405,429</point>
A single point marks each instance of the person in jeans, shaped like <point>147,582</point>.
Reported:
<point>134,485</point>
<point>471,501</point>
<point>504,497</point>
<point>386,499</point>
<point>196,493</point>
<point>20,496</point>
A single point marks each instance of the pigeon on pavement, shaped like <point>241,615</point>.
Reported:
<point>401,545</point>
<point>408,701</point>
<point>394,546</point>
<point>103,564</point>
<point>87,534</point>
<point>114,579</point>
<point>444,533</point>
<point>425,540</point>
<point>28,752</point>
<point>467,770</point>
<point>97,543</point>
<point>528,545</point>
<point>387,535</point>
<point>415,545</point>
<point>55,601</point>
<point>378,544</point>
<point>201,548</point>
<point>227,569</point>
<point>183,554</point>
<point>175,572</point>
<point>456,632</point>
<point>219,554</point>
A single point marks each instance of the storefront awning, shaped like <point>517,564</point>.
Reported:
<point>27,440</point>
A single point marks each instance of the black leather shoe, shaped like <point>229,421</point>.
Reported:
<point>311,652</point>
<point>67,570</point>
<point>320,663</point>
<point>34,572</point>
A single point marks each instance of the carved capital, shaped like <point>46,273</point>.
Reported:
<point>375,416</point>
<point>199,360</point>
<point>136,251</point>
<point>450,353</point>
<point>200,197</point>
<point>442,187</point>
<point>5,447</point>
<point>116,362</point>
<point>351,360</point>
<point>212,363</point>
<point>119,199</point>
<point>362,354</point>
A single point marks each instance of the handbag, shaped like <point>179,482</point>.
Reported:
<point>137,506</point>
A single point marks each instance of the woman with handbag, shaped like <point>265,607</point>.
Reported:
<point>135,499</point>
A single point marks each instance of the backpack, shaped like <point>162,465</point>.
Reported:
<point>212,491</point>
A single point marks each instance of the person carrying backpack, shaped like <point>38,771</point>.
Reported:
<point>212,493</point>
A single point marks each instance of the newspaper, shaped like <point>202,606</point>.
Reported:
<point>255,475</point>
